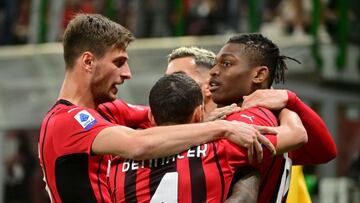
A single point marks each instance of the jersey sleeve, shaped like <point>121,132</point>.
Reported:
<point>122,113</point>
<point>237,156</point>
<point>76,130</point>
<point>320,147</point>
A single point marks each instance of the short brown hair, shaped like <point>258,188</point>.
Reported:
<point>174,98</point>
<point>94,33</point>
<point>202,56</point>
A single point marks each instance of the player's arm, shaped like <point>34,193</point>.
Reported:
<point>167,140</point>
<point>319,137</point>
<point>291,132</point>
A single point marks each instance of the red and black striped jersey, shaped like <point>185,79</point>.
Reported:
<point>119,112</point>
<point>200,174</point>
<point>71,172</point>
<point>318,135</point>
<point>275,175</point>
<point>274,171</point>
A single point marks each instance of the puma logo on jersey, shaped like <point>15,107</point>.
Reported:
<point>248,117</point>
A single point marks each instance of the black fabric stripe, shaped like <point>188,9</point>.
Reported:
<point>287,175</point>
<point>220,172</point>
<point>42,153</point>
<point>72,169</point>
<point>158,172</point>
<point>115,181</point>
<point>103,115</point>
<point>61,101</point>
<point>267,116</point>
<point>130,186</point>
<point>65,102</point>
<point>278,182</point>
<point>285,196</point>
<point>98,177</point>
<point>197,179</point>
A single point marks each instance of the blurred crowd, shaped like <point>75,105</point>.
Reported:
<point>23,21</point>
<point>23,176</point>
<point>29,21</point>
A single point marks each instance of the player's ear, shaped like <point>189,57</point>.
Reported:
<point>260,74</point>
<point>87,61</point>
<point>151,118</point>
<point>198,114</point>
<point>207,92</point>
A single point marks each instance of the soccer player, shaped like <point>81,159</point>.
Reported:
<point>201,174</point>
<point>75,140</point>
<point>193,61</point>
<point>197,62</point>
<point>250,62</point>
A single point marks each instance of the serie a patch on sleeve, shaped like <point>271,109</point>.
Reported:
<point>85,119</point>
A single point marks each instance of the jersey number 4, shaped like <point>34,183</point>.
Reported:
<point>167,191</point>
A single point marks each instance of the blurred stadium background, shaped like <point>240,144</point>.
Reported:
<point>323,34</point>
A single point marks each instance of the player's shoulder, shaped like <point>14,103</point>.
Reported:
<point>254,115</point>
<point>63,108</point>
<point>116,104</point>
<point>250,112</point>
<point>64,113</point>
<point>78,110</point>
<point>121,105</point>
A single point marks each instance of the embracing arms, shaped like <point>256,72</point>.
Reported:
<point>320,147</point>
<point>167,140</point>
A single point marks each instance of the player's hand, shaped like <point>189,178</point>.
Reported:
<point>220,113</point>
<point>250,137</point>
<point>263,140</point>
<point>270,98</point>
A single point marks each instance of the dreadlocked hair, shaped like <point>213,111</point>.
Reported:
<point>263,52</point>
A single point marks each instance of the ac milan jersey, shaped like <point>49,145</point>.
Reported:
<point>201,174</point>
<point>275,171</point>
<point>71,172</point>
<point>318,136</point>
<point>119,112</point>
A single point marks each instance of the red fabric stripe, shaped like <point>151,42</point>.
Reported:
<point>142,186</point>
<point>118,183</point>
<point>184,192</point>
<point>211,170</point>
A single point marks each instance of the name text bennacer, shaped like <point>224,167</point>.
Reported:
<point>129,164</point>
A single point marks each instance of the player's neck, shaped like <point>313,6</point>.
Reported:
<point>209,106</point>
<point>77,91</point>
